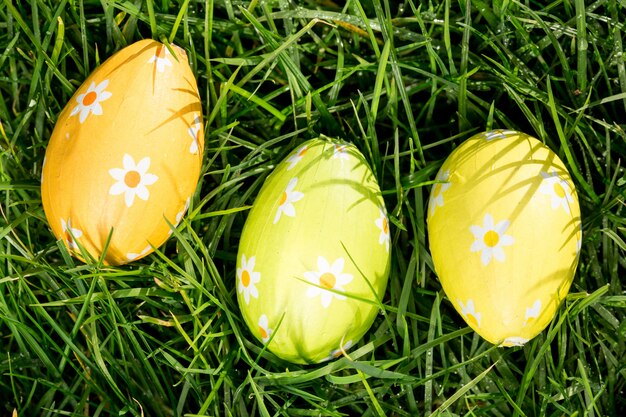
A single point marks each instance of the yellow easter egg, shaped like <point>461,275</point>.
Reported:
<point>125,154</point>
<point>505,232</point>
<point>314,254</point>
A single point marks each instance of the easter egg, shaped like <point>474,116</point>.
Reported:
<point>505,232</point>
<point>314,254</point>
<point>125,155</point>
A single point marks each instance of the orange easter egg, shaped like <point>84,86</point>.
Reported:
<point>125,155</point>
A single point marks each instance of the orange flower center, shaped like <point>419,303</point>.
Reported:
<point>491,238</point>
<point>471,320</point>
<point>302,151</point>
<point>559,190</point>
<point>263,333</point>
<point>328,280</point>
<point>132,179</point>
<point>90,98</point>
<point>245,278</point>
<point>283,198</point>
<point>68,237</point>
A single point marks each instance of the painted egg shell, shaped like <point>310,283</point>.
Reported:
<point>504,231</point>
<point>314,254</point>
<point>125,154</point>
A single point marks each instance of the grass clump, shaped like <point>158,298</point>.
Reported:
<point>406,82</point>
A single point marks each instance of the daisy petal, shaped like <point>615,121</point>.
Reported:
<point>129,197</point>
<point>149,179</point>
<point>117,188</point>
<point>143,165</point>
<point>117,173</point>
<point>486,257</point>
<point>142,192</point>
<point>289,210</point>
<point>128,162</point>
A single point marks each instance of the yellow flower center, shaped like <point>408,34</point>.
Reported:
<point>328,280</point>
<point>132,179</point>
<point>491,238</point>
<point>385,226</point>
<point>471,320</point>
<point>302,152</point>
<point>245,278</point>
<point>263,333</point>
<point>559,190</point>
<point>283,198</point>
<point>90,98</point>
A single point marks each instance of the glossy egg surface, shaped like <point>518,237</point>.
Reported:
<point>313,260</point>
<point>125,155</point>
<point>505,232</point>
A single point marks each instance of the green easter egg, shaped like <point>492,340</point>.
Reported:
<point>314,255</point>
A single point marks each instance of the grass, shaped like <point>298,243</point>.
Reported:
<point>406,82</point>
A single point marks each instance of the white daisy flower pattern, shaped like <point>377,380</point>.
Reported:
<point>340,151</point>
<point>498,134</point>
<point>160,58</point>
<point>194,131</point>
<point>514,341</point>
<point>89,101</point>
<point>70,234</point>
<point>558,189</point>
<point>327,277</point>
<point>179,216</point>
<point>436,196</point>
<point>132,180</point>
<point>490,239</point>
<point>264,330</point>
<point>296,157</point>
<point>132,256</point>
<point>287,198</point>
<point>532,312</point>
<point>247,278</point>
<point>338,352</point>
<point>469,312</point>
<point>383,224</point>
